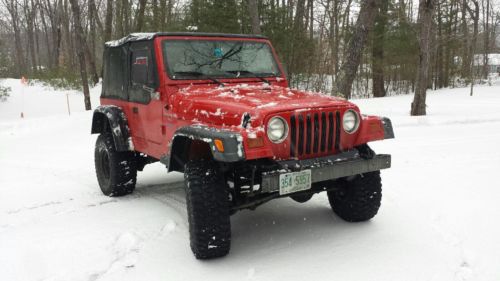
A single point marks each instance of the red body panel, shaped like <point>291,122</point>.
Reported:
<point>187,102</point>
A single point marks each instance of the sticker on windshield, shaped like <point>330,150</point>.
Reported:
<point>218,52</point>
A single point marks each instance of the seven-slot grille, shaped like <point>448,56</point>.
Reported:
<point>314,133</point>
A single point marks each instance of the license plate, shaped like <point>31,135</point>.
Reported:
<point>295,181</point>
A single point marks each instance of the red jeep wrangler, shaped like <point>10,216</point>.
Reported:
<point>218,108</point>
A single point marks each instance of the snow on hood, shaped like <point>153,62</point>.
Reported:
<point>228,104</point>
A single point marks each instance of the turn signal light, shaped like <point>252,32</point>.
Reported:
<point>219,145</point>
<point>254,143</point>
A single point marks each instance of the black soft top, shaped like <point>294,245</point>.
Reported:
<point>134,37</point>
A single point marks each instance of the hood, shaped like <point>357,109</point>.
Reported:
<point>227,105</point>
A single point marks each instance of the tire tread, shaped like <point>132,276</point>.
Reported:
<point>207,202</point>
<point>359,199</point>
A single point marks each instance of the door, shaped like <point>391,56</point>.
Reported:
<point>145,103</point>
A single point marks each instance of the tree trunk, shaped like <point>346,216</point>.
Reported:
<point>94,17</point>
<point>140,16</point>
<point>12,8</point>
<point>81,52</point>
<point>89,46</point>
<point>425,15</point>
<point>310,4</point>
<point>486,19</point>
<point>466,57</point>
<point>126,6</point>
<point>54,14</point>
<point>170,14</point>
<point>108,25</point>
<point>355,46</point>
<point>475,16</point>
<point>253,10</point>
<point>68,46</point>
<point>378,51</point>
<point>92,66</point>
<point>47,41</point>
<point>156,15</point>
<point>336,38</point>
<point>440,55</point>
<point>163,14</point>
<point>118,19</point>
<point>29,11</point>
<point>297,36</point>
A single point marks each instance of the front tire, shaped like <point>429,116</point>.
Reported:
<point>357,199</point>
<point>207,201</point>
<point>116,171</point>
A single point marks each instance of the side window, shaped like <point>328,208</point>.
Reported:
<point>142,75</point>
<point>115,85</point>
<point>139,68</point>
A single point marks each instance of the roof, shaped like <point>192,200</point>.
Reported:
<point>133,37</point>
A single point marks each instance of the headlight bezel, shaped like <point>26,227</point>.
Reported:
<point>285,129</point>
<point>356,124</point>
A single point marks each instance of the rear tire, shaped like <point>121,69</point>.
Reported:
<point>357,199</point>
<point>207,201</point>
<point>116,171</point>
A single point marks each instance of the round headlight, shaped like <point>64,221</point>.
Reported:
<point>350,121</point>
<point>277,129</point>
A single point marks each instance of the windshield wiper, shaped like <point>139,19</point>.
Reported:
<point>253,75</point>
<point>198,75</point>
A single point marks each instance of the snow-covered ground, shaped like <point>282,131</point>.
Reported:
<point>440,215</point>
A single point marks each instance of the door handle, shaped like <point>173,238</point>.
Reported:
<point>135,109</point>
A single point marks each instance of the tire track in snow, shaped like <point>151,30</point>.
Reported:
<point>35,207</point>
<point>170,194</point>
<point>127,246</point>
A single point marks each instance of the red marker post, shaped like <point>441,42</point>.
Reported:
<point>24,83</point>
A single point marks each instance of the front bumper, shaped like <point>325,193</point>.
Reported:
<point>326,168</point>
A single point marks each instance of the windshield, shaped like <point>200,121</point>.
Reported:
<point>195,59</point>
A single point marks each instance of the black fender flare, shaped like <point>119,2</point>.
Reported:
<point>112,118</point>
<point>233,145</point>
<point>388,130</point>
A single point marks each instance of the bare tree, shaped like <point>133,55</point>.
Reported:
<point>475,16</point>
<point>156,15</point>
<point>487,36</point>
<point>140,15</point>
<point>53,11</point>
<point>364,25</point>
<point>81,52</point>
<point>90,46</point>
<point>163,14</point>
<point>119,18</point>
<point>29,15</point>
<point>12,8</point>
<point>108,25</point>
<point>253,10</point>
<point>466,56</point>
<point>378,50</point>
<point>425,15</point>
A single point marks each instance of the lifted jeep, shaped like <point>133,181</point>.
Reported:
<point>218,108</point>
